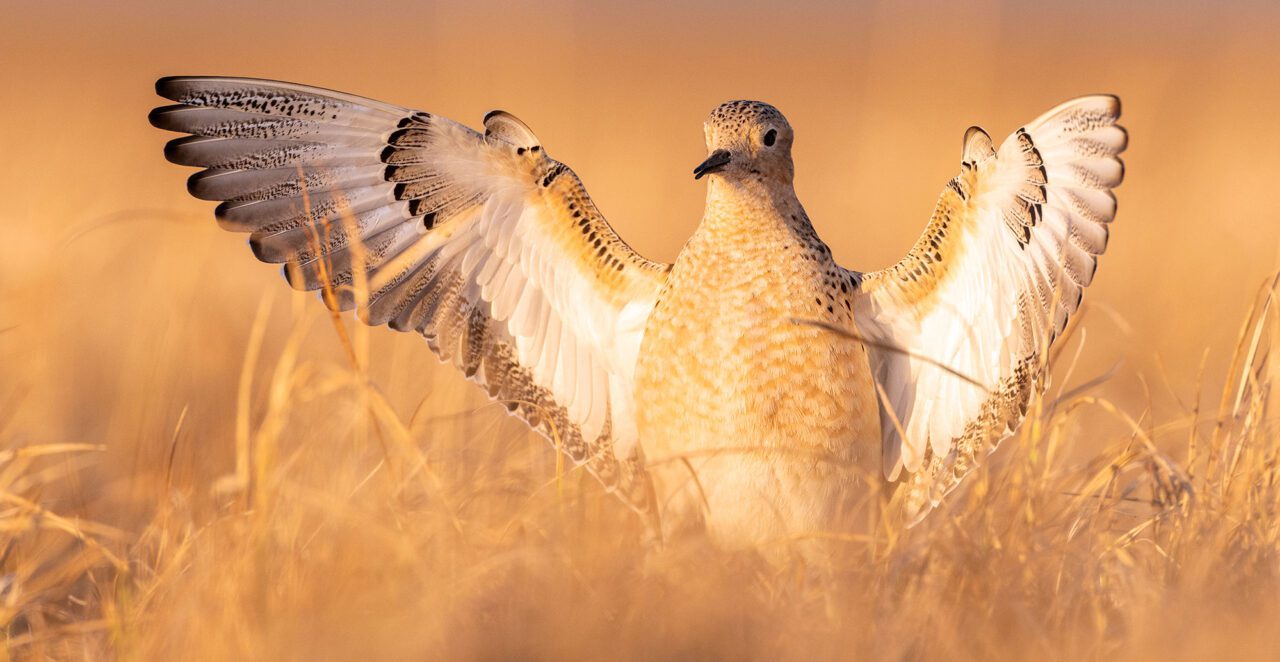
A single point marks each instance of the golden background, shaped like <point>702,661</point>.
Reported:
<point>879,93</point>
<point>124,308</point>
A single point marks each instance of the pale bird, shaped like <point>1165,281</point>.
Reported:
<point>754,389</point>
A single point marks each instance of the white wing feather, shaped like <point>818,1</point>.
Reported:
<point>481,242</point>
<point>971,310</point>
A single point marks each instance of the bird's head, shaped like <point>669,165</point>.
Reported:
<point>747,140</point>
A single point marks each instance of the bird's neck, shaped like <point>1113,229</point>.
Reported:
<point>751,205</point>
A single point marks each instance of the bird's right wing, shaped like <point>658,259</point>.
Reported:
<point>960,327</point>
<point>482,243</point>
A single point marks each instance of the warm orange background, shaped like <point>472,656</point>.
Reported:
<point>113,280</point>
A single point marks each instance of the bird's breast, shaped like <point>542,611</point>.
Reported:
<point>735,383</point>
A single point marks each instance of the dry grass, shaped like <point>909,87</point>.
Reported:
<point>342,529</point>
<point>180,479</point>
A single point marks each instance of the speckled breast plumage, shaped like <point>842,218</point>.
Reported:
<point>751,419</point>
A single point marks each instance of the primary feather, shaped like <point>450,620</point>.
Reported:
<point>987,288</point>
<point>482,243</point>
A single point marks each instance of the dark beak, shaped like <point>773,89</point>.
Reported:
<point>714,163</point>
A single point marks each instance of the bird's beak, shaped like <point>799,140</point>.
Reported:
<point>714,163</point>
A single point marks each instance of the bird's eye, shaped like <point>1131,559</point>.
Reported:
<point>770,137</point>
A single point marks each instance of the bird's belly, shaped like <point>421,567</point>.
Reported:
<point>764,428</point>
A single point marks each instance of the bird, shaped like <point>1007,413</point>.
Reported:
<point>752,390</point>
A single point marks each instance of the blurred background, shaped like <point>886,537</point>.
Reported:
<point>122,303</point>
<point>125,312</point>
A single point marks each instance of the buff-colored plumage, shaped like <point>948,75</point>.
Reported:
<point>732,389</point>
<point>772,416</point>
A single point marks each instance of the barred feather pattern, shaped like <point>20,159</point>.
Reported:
<point>480,242</point>
<point>964,322</point>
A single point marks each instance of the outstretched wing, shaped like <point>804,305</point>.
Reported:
<point>963,323</point>
<point>482,243</point>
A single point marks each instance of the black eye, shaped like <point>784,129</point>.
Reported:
<point>770,137</point>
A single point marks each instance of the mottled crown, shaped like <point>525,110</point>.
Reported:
<point>739,114</point>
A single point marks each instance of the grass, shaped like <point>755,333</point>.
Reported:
<point>340,528</point>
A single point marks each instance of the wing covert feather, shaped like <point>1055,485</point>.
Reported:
<point>966,318</point>
<point>481,242</point>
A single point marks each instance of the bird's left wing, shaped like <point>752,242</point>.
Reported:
<point>959,329</point>
<point>481,242</point>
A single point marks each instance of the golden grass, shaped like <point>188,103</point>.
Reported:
<point>184,480</point>
<point>340,528</point>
